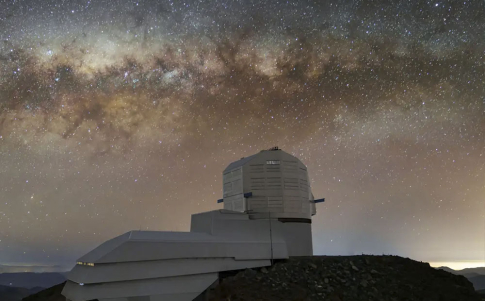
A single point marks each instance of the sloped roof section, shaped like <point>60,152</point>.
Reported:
<point>114,245</point>
<point>104,248</point>
<point>157,236</point>
<point>239,163</point>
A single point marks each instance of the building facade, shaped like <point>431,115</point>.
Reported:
<point>267,212</point>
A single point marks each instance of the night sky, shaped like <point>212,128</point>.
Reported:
<point>121,115</point>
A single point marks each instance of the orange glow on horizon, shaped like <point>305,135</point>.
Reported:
<point>458,265</point>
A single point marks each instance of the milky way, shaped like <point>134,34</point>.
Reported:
<point>121,115</point>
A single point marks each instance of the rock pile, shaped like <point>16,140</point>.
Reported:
<point>342,278</point>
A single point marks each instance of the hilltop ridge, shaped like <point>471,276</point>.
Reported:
<point>342,278</point>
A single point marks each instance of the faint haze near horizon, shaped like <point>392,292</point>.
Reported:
<point>121,115</point>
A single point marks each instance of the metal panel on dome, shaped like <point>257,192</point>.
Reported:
<point>233,189</point>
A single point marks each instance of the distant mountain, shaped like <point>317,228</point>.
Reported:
<point>31,280</point>
<point>478,282</point>
<point>475,275</point>
<point>11,293</point>
<point>482,292</point>
<point>470,275</point>
<point>50,294</point>
<point>447,269</point>
<point>468,272</point>
<point>480,270</point>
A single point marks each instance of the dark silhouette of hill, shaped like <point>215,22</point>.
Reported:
<point>31,280</point>
<point>332,278</point>
<point>11,293</point>
<point>475,275</point>
<point>478,282</point>
<point>50,294</point>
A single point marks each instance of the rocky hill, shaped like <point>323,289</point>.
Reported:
<point>50,294</point>
<point>338,278</point>
<point>342,278</point>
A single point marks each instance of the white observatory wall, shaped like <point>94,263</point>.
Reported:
<point>297,236</point>
<point>177,288</point>
<point>279,185</point>
<point>233,190</point>
<point>128,271</point>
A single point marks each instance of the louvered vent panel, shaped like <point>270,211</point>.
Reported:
<point>275,202</point>
<point>257,184</point>
<point>304,185</point>
<point>257,202</point>
<point>291,183</point>
<point>256,168</point>
<point>273,168</point>
<point>273,183</point>
<point>290,166</point>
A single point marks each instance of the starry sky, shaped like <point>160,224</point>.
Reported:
<point>120,115</point>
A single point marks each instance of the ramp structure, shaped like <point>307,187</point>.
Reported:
<point>267,212</point>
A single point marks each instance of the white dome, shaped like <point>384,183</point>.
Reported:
<point>270,184</point>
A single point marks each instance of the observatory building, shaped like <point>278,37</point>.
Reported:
<point>268,205</point>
